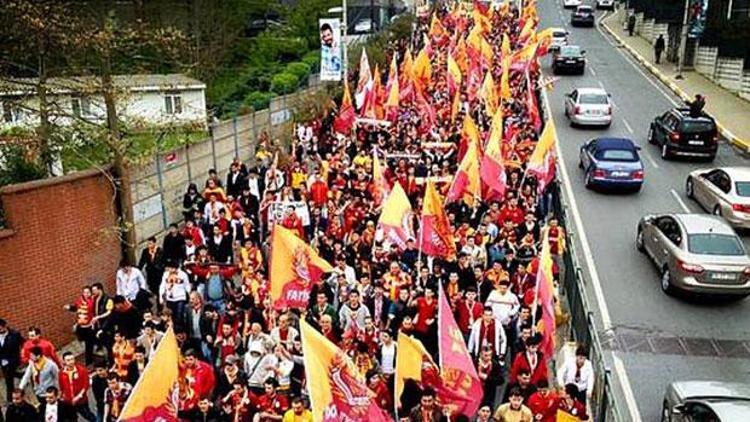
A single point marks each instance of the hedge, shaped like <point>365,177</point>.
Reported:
<point>258,100</point>
<point>298,69</point>
<point>284,83</point>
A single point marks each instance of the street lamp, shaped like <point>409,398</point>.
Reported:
<point>683,41</point>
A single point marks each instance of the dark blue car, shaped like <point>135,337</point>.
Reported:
<point>612,163</point>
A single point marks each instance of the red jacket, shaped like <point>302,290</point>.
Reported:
<point>521,361</point>
<point>545,406</point>
<point>319,192</point>
<point>199,378</point>
<point>465,316</point>
<point>74,383</point>
<point>48,350</point>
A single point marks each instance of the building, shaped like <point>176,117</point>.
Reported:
<point>171,99</point>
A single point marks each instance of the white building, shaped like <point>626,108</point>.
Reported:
<point>171,99</point>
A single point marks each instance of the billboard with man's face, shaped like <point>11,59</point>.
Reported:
<point>330,49</point>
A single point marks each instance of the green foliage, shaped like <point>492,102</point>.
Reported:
<point>258,100</point>
<point>17,166</point>
<point>284,83</point>
<point>312,59</point>
<point>303,17</point>
<point>377,45</point>
<point>299,69</point>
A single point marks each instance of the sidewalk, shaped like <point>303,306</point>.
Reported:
<point>728,109</point>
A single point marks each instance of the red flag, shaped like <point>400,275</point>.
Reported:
<point>545,298</point>
<point>457,370</point>
<point>344,122</point>
<point>532,106</point>
<point>492,169</point>
<point>467,184</point>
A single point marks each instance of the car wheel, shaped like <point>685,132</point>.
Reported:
<point>666,416</point>
<point>580,163</point>
<point>666,281</point>
<point>711,158</point>
<point>606,126</point>
<point>717,211</point>
<point>650,136</point>
<point>589,181</point>
<point>583,71</point>
<point>566,113</point>
<point>639,241</point>
<point>665,153</point>
<point>689,187</point>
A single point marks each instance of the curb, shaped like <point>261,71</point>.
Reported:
<point>734,140</point>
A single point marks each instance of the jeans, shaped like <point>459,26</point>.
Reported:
<point>178,308</point>
<point>84,410</point>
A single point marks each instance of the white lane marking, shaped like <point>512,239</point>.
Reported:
<point>591,69</point>
<point>682,203</point>
<point>627,126</point>
<point>593,272</point>
<point>601,85</point>
<point>651,159</point>
<point>636,66</point>
<point>627,389</point>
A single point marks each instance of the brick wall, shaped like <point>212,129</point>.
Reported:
<point>56,240</point>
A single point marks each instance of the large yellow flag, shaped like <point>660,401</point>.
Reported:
<point>505,46</point>
<point>436,237</point>
<point>396,218</point>
<point>410,359</point>
<point>337,389</point>
<point>456,106</point>
<point>392,87</point>
<point>466,183</point>
<point>563,416</point>
<point>154,396</point>
<point>488,93</point>
<point>454,74</point>
<point>505,81</point>
<point>295,266</point>
<point>544,145</point>
<point>470,131</point>
<point>460,56</point>
<point>407,66</point>
<point>436,28</point>
<point>422,69</point>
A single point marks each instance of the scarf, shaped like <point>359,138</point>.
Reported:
<point>36,370</point>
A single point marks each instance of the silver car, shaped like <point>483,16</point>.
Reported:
<point>588,106</point>
<point>716,401</point>
<point>559,39</point>
<point>695,253</point>
<point>722,191</point>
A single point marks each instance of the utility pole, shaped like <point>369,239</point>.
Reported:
<point>683,41</point>
<point>344,25</point>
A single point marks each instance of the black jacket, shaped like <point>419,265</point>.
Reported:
<point>222,251</point>
<point>65,412</point>
<point>195,415</point>
<point>174,248</point>
<point>24,412</point>
<point>11,350</point>
<point>234,187</point>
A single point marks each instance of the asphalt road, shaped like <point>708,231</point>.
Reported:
<point>659,339</point>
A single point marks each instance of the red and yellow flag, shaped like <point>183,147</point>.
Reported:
<point>456,106</point>
<point>542,161</point>
<point>436,236</point>
<point>373,104</point>
<point>422,69</point>
<point>437,29</point>
<point>545,298</point>
<point>344,122</point>
<point>406,79</point>
<point>392,92</point>
<point>395,219</point>
<point>505,46</point>
<point>469,135</point>
<point>492,170</point>
<point>412,361</point>
<point>455,76</point>
<point>337,390</point>
<point>466,184</point>
<point>155,394</point>
<point>488,92</point>
<point>364,82</point>
<point>460,56</point>
<point>380,188</point>
<point>294,268</point>
<point>505,94</point>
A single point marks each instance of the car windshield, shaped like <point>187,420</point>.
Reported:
<point>715,244</point>
<point>697,126</point>
<point>570,51</point>
<point>743,188</point>
<point>616,155</point>
<point>558,34</point>
<point>583,9</point>
<point>592,99</point>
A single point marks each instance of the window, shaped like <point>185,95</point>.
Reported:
<point>617,155</point>
<point>11,112</point>
<point>593,99</point>
<point>81,106</point>
<point>173,104</point>
<point>743,188</point>
<point>715,244</point>
<point>670,229</point>
<point>721,180</point>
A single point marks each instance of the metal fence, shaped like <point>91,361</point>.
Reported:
<point>582,325</point>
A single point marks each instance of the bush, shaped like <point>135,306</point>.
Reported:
<point>284,83</point>
<point>298,69</point>
<point>258,100</point>
<point>18,167</point>
<point>313,60</point>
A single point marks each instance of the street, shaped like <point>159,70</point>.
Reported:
<point>659,339</point>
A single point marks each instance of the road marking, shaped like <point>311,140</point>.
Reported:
<point>628,127</point>
<point>651,159</point>
<point>627,389</point>
<point>593,72</point>
<point>593,273</point>
<point>635,65</point>
<point>681,202</point>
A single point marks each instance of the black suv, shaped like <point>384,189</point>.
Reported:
<point>582,16</point>
<point>570,58</point>
<point>679,133</point>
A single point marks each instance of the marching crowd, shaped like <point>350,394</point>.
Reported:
<point>208,279</point>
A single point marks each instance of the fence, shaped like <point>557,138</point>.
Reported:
<point>158,186</point>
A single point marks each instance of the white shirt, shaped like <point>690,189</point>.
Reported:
<point>388,358</point>
<point>211,211</point>
<point>252,183</point>
<point>504,307</point>
<point>129,283</point>
<point>174,292</point>
<point>567,375</point>
<point>50,413</point>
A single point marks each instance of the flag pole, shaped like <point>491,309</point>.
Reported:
<point>421,229</point>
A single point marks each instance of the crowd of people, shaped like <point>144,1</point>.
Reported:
<point>208,279</point>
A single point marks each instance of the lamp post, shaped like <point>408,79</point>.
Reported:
<point>345,56</point>
<point>683,41</point>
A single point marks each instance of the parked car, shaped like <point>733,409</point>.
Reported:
<point>588,107</point>
<point>570,58</point>
<point>582,16</point>
<point>363,26</point>
<point>611,163</point>
<point>716,401</point>
<point>570,4</point>
<point>722,191</point>
<point>605,4</point>
<point>559,39</point>
<point>680,134</point>
<point>695,252</point>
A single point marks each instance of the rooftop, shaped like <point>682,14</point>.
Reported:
<point>141,82</point>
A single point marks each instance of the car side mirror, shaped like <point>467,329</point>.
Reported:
<point>583,51</point>
<point>637,148</point>
<point>678,409</point>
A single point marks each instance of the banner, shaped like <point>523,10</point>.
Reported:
<point>276,211</point>
<point>697,17</point>
<point>330,49</point>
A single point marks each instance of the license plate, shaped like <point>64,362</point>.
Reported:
<point>570,61</point>
<point>619,174</point>
<point>724,276</point>
<point>695,142</point>
<point>594,112</point>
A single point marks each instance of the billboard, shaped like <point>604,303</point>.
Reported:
<point>330,49</point>
<point>696,17</point>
